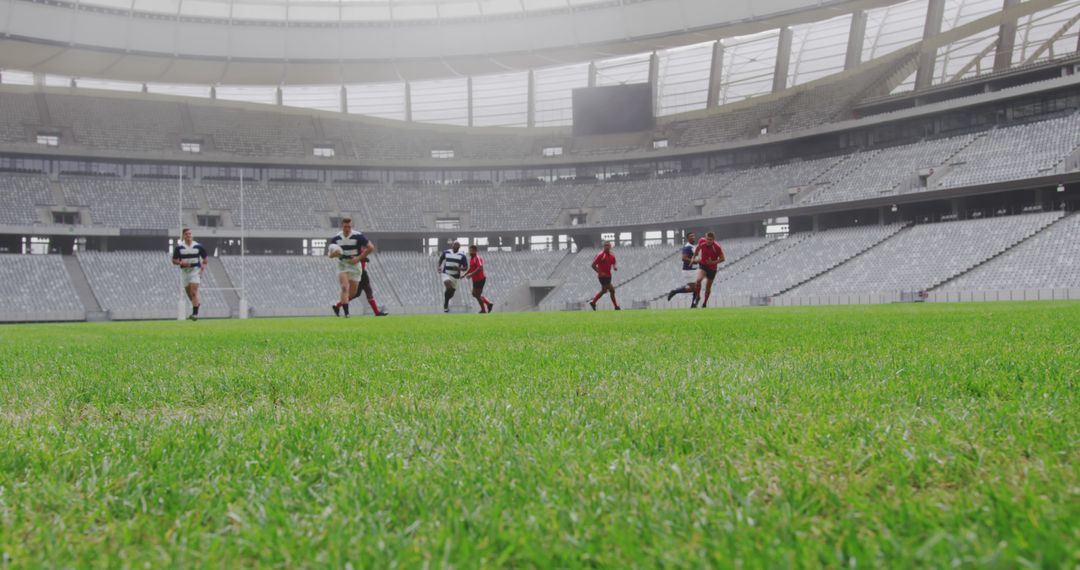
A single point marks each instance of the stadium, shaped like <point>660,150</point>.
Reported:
<point>884,375</point>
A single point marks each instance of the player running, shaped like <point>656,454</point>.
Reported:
<point>365,286</point>
<point>689,271</point>
<point>603,264</point>
<point>190,256</point>
<point>355,249</point>
<point>452,263</point>
<point>479,279</point>
<point>709,255</point>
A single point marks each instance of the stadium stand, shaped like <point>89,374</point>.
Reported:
<point>248,132</point>
<point>1048,260</point>
<point>400,207</point>
<point>413,277</point>
<point>770,187</point>
<point>924,256</point>
<point>136,125</point>
<point>798,259</point>
<point>279,286</point>
<point>37,288</point>
<point>18,111</point>
<point>117,203</point>
<point>271,206</point>
<point>577,280</point>
<point>510,270</point>
<point>363,141</point>
<point>509,207</point>
<point>22,194</point>
<point>887,171</point>
<point>1014,153</point>
<point>144,285</point>
<point>657,200</point>
<point>665,272</point>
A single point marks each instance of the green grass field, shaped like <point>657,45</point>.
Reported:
<point>915,435</point>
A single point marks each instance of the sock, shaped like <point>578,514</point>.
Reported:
<point>374,305</point>
<point>447,295</point>
<point>597,297</point>
<point>485,300</point>
<point>338,304</point>
<point>707,297</point>
<point>195,310</point>
<point>346,307</point>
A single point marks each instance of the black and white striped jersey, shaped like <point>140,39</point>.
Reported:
<point>351,245</point>
<point>193,254</point>
<point>454,264</point>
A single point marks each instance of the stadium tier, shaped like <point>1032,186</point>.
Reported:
<point>797,259</point>
<point>1033,252</point>
<point>144,285</point>
<point>37,288</point>
<point>1049,260</point>
<point>143,124</point>
<point>925,256</point>
<point>23,195</point>
<point>1003,154</point>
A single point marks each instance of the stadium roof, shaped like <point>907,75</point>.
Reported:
<point>362,67</point>
<point>259,42</point>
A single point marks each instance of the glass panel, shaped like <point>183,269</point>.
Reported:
<point>959,12</point>
<point>157,6</point>
<point>683,79</point>
<point>121,4</point>
<point>13,77</point>
<point>818,49</point>
<point>1033,31</point>
<point>111,85</point>
<point>57,81</point>
<point>406,12</point>
<point>501,100</point>
<point>622,70</point>
<point>975,52</point>
<point>893,27</point>
<point>204,8</point>
<point>182,90</point>
<point>749,63</point>
<point>443,101</point>
<point>385,100</point>
<point>365,13</point>
<point>301,13</point>
<point>322,97</point>
<point>553,86</point>
<point>250,94</point>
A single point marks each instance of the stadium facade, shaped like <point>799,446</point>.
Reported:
<point>845,152</point>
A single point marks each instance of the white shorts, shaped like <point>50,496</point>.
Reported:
<point>354,272</point>
<point>190,275</point>
<point>450,280</point>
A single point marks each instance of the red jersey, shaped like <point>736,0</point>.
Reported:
<point>709,255</point>
<point>477,264</point>
<point>604,261</point>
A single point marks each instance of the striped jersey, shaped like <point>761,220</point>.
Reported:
<point>454,264</point>
<point>194,254</point>
<point>687,251</point>
<point>351,245</point>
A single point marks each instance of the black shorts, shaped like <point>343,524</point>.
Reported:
<point>364,285</point>
<point>478,286</point>
<point>605,281</point>
<point>710,274</point>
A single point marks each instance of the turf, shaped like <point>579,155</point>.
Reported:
<point>892,436</point>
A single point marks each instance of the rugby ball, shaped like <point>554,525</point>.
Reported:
<point>334,250</point>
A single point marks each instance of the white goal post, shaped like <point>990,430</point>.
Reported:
<point>182,301</point>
